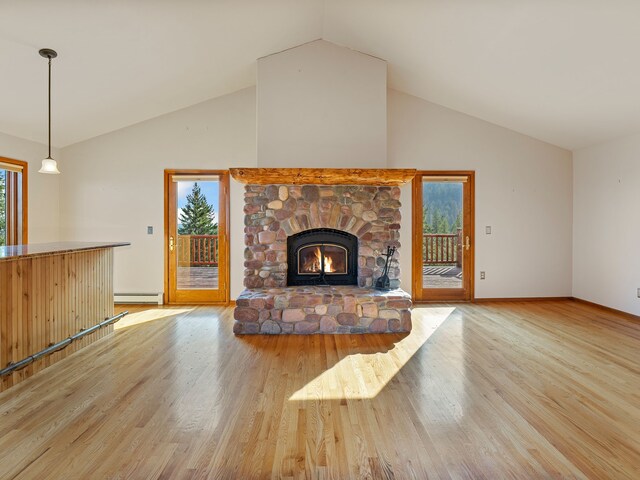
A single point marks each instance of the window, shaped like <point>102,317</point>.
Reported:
<point>13,202</point>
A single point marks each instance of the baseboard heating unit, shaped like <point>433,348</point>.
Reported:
<point>155,298</point>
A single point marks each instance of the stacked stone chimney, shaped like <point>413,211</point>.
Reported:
<point>273,212</point>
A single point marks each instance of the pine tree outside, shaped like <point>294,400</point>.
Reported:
<point>197,217</point>
<point>442,234</point>
<point>197,224</point>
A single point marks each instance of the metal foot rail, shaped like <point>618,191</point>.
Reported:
<point>12,367</point>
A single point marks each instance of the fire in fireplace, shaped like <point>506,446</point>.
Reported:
<point>330,259</point>
<point>322,256</point>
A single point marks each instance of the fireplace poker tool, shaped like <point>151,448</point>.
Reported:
<point>383,283</point>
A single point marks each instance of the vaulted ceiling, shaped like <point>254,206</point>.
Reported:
<point>565,72</point>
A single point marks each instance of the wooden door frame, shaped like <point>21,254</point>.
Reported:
<point>416,246</point>
<point>223,276</point>
<point>23,209</point>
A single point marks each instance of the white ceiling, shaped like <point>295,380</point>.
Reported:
<point>563,71</point>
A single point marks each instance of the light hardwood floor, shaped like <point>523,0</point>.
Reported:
<point>488,391</point>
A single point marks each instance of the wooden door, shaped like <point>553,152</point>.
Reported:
<point>196,236</point>
<point>13,201</point>
<point>443,236</point>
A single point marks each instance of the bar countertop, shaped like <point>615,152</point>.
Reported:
<point>14,252</point>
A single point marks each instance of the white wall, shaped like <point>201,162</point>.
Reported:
<point>606,224</point>
<point>112,186</point>
<point>321,105</point>
<point>523,191</point>
<point>43,189</point>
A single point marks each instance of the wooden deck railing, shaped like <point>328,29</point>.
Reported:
<point>442,249</point>
<point>197,250</point>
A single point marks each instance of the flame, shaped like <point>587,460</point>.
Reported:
<point>328,264</point>
<point>314,262</point>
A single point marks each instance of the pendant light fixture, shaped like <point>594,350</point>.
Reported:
<point>49,165</point>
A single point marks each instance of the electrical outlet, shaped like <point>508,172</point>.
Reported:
<point>487,229</point>
<point>482,276</point>
<point>149,230</point>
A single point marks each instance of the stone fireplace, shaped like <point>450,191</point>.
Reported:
<point>312,253</point>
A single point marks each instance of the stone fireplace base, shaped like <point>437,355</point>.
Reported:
<point>322,309</point>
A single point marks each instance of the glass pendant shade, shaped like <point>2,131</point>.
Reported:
<point>49,165</point>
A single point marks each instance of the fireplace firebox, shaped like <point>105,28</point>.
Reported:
<point>322,256</point>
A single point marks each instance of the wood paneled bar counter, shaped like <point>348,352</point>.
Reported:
<point>49,292</point>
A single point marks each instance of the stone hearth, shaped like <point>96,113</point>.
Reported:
<point>338,309</point>
<point>275,212</point>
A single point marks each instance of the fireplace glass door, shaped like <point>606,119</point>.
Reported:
<point>320,258</point>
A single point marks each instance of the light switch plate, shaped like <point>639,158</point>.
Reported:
<point>149,230</point>
<point>487,229</point>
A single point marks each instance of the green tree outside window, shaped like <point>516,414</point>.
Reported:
<point>197,216</point>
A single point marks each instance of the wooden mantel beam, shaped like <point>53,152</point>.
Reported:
<point>323,176</point>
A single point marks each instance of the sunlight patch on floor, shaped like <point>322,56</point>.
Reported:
<point>151,315</point>
<point>363,376</point>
